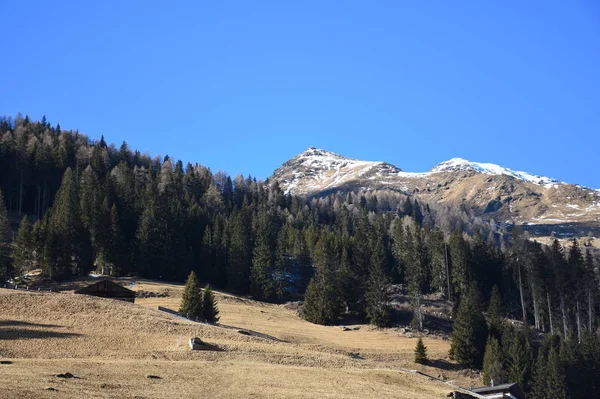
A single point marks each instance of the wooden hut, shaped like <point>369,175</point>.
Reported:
<point>108,289</point>
<point>506,391</point>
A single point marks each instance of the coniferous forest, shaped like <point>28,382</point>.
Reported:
<point>70,205</point>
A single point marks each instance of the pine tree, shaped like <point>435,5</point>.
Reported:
<point>207,257</point>
<point>239,252</point>
<point>539,380</point>
<point>469,331</point>
<point>322,299</point>
<point>556,387</point>
<point>150,244</point>
<point>460,255</point>
<point>23,249</point>
<point>518,352</point>
<point>68,245</point>
<point>210,311</point>
<point>5,250</point>
<point>117,253</point>
<point>351,285</point>
<point>493,363</point>
<point>189,263</point>
<point>192,303</point>
<point>262,281</point>
<point>421,352</point>
<point>495,313</point>
<point>563,278</point>
<point>377,295</point>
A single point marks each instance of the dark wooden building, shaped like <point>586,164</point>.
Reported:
<point>108,289</point>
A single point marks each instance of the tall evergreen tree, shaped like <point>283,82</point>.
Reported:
<point>421,352</point>
<point>322,300</point>
<point>470,331</point>
<point>68,244</point>
<point>378,285</point>
<point>554,376</point>
<point>262,281</point>
<point>493,363</point>
<point>460,255</point>
<point>192,303</point>
<point>116,250</point>
<point>5,239</point>
<point>495,313</point>
<point>210,311</point>
<point>240,252</point>
<point>23,248</point>
<point>519,356</point>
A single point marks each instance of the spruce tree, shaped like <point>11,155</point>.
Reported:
<point>493,363</point>
<point>421,352</point>
<point>460,256</point>
<point>117,253</point>
<point>518,352</point>
<point>5,239</point>
<point>239,251</point>
<point>495,313</point>
<point>210,311</point>
<point>322,299</point>
<point>191,300</point>
<point>556,387</point>
<point>351,285</point>
<point>469,331</point>
<point>262,279</point>
<point>377,295</point>
<point>206,256</point>
<point>23,249</point>
<point>539,381</point>
<point>68,245</point>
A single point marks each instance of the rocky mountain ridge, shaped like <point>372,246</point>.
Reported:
<point>541,203</point>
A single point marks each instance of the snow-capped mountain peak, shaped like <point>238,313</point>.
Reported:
<point>491,191</point>
<point>459,164</point>
<point>316,169</point>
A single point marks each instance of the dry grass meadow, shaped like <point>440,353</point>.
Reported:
<point>112,347</point>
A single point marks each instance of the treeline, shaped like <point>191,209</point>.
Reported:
<point>81,205</point>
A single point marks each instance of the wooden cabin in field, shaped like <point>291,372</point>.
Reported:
<point>108,289</point>
<point>504,391</point>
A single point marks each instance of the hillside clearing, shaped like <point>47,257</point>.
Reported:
<point>114,345</point>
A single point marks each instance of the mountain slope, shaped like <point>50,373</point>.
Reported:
<point>488,189</point>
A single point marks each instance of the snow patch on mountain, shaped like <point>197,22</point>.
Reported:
<point>455,164</point>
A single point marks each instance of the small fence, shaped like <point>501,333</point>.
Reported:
<point>23,287</point>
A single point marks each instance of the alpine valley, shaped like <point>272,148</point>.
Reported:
<point>542,205</point>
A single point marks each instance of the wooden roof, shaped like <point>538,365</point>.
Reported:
<point>108,289</point>
<point>511,387</point>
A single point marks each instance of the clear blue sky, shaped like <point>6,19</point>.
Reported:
<point>243,86</point>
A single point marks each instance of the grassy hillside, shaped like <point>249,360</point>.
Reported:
<point>114,345</point>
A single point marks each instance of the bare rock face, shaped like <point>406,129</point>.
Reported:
<point>542,204</point>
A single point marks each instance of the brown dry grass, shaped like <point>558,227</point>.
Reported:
<point>113,345</point>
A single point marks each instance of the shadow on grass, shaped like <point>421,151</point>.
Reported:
<point>15,333</point>
<point>17,323</point>
<point>210,347</point>
<point>15,329</point>
<point>444,365</point>
<point>252,333</point>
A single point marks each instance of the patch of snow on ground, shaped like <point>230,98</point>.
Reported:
<point>412,174</point>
